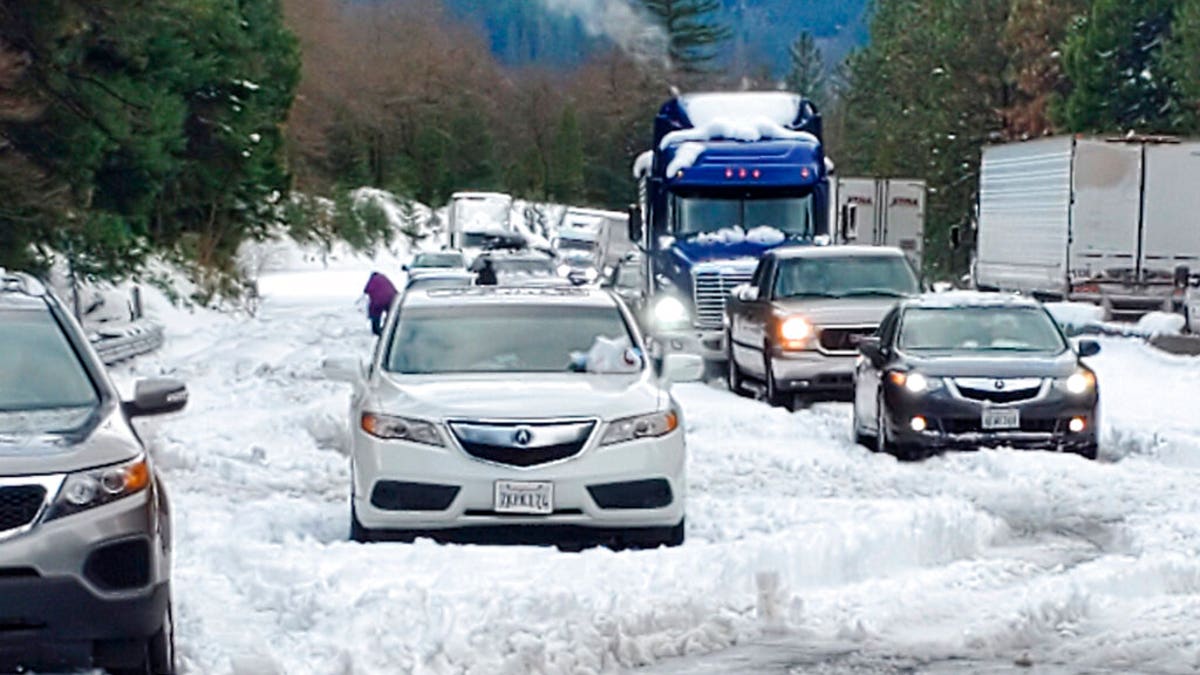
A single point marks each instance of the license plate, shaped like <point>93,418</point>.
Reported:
<point>1006,418</point>
<point>524,497</point>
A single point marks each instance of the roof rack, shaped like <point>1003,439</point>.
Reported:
<point>20,282</point>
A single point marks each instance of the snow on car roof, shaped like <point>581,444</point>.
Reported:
<point>956,299</point>
<point>515,295</point>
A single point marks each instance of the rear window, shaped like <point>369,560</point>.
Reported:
<point>501,339</point>
<point>40,370</point>
<point>441,260</point>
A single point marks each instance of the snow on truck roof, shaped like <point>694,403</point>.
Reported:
<point>510,295</point>
<point>778,107</point>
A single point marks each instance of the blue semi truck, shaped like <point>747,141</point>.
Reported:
<point>730,176</point>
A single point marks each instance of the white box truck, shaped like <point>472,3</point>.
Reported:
<point>882,212</point>
<point>476,218</point>
<point>1111,222</point>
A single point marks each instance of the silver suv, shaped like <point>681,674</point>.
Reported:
<point>85,537</point>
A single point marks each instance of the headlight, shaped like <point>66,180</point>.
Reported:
<point>401,429</point>
<point>642,426</point>
<point>915,382</point>
<point>88,489</point>
<point>564,270</point>
<point>591,274</point>
<point>795,332</point>
<point>1081,382</point>
<point>670,311</point>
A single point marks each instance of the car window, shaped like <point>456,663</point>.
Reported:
<point>428,283</point>
<point>443,260</point>
<point>845,276</point>
<point>39,369</point>
<point>1014,329</point>
<point>500,339</point>
<point>887,329</point>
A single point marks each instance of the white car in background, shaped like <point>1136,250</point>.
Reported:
<point>516,415</point>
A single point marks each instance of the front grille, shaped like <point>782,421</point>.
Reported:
<point>974,425</point>
<point>710,291</point>
<point>999,396</point>
<point>844,340</point>
<point>19,505</point>
<point>524,445</point>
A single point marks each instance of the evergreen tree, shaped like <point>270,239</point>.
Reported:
<point>1181,58</point>
<point>566,161</point>
<point>807,74</point>
<point>694,35</point>
<point>1113,60</point>
<point>1033,38</point>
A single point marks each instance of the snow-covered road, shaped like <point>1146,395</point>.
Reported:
<point>803,549</point>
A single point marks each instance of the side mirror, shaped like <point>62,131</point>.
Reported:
<point>1088,348</point>
<point>872,349</point>
<point>745,292</point>
<point>635,223</point>
<point>157,397</point>
<point>343,369</point>
<point>682,368</point>
<point>404,267</point>
<point>955,237</point>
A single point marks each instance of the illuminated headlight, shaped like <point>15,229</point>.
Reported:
<point>795,329</point>
<point>564,270</point>
<point>643,426</point>
<point>590,274</point>
<point>1081,382</point>
<point>88,489</point>
<point>915,382</point>
<point>401,429</point>
<point>670,311</point>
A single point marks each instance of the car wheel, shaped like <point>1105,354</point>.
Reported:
<point>773,395</point>
<point>357,532</point>
<point>158,652</point>
<point>1089,451</point>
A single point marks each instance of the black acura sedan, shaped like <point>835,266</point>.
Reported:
<point>969,370</point>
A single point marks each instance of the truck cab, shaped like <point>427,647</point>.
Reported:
<point>730,177</point>
<point>477,218</point>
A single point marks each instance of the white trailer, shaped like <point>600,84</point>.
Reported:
<point>477,217</point>
<point>1114,223</point>
<point>882,212</point>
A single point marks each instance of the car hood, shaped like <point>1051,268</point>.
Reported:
<point>516,396</point>
<point>104,439</point>
<point>995,365</point>
<point>858,311</point>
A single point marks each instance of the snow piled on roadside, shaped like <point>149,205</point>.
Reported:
<point>794,533</point>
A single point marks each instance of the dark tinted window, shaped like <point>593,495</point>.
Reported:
<point>38,368</point>
<point>437,260</point>
<point>499,339</point>
<point>1016,329</point>
<point>532,266</point>
<point>841,277</point>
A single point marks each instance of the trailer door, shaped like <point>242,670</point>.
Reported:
<point>904,217</point>
<point>1107,210</point>
<point>1171,213</point>
<point>858,207</point>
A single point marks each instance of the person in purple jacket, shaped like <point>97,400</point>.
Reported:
<point>380,294</point>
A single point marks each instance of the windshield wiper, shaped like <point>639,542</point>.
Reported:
<point>886,292</point>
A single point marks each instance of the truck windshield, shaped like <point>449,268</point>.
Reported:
<point>501,338</point>
<point>975,329</point>
<point>845,276</point>
<point>477,213</point>
<point>697,215</point>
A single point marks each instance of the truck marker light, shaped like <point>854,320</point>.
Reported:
<point>742,172</point>
<point>729,173</point>
<point>757,174</point>
<point>805,172</point>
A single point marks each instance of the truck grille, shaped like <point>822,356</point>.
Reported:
<point>711,289</point>
<point>844,339</point>
<point>522,445</point>
<point>19,505</point>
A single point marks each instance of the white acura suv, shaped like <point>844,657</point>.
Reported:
<point>516,415</point>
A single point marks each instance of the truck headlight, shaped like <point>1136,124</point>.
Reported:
<point>1081,382</point>
<point>95,487</point>
<point>643,426</point>
<point>669,311</point>
<point>393,428</point>
<point>564,270</point>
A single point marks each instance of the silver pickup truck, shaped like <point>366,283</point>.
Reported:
<point>793,330</point>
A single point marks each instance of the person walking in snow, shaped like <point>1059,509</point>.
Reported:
<point>486,276</point>
<point>380,293</point>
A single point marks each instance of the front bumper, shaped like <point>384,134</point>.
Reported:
<point>85,589</point>
<point>955,423</point>
<point>465,485</point>
<point>815,372</point>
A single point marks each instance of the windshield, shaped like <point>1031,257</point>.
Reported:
<point>792,216</point>
<point>481,213</point>
<point>440,260</point>
<point>502,339</point>
<point>39,369</point>
<point>974,329</point>
<point>528,267</point>
<point>575,245</point>
<point>477,239</point>
<point>840,277</point>
<point>426,283</point>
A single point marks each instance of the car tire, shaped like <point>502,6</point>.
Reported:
<point>159,652</point>
<point>1089,451</point>
<point>359,533</point>
<point>771,391</point>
